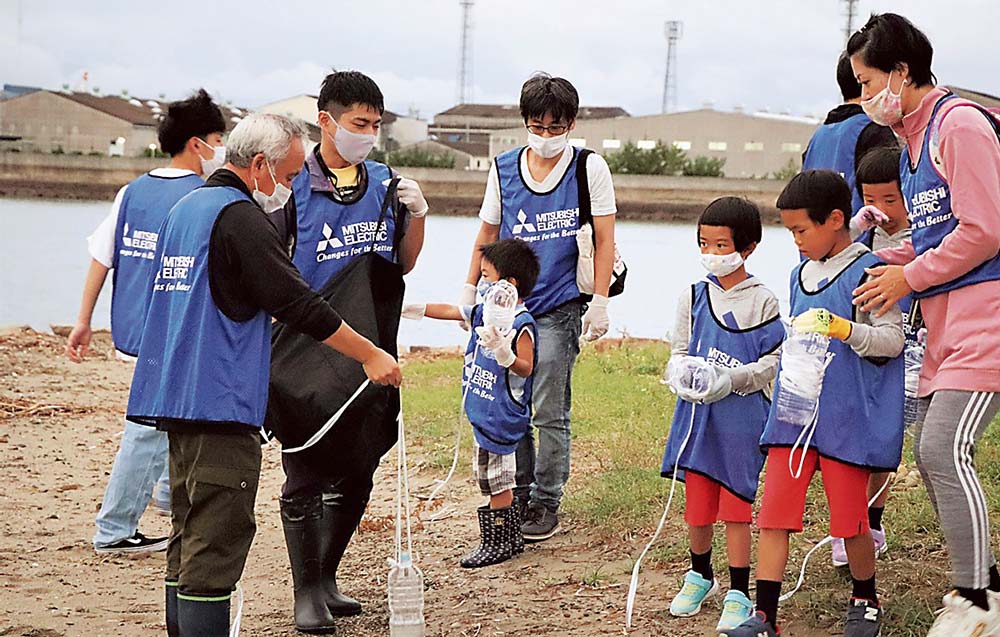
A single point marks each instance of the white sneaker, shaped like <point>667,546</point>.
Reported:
<point>962,618</point>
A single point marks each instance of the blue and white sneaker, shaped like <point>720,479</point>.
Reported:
<point>736,609</point>
<point>756,626</point>
<point>693,594</point>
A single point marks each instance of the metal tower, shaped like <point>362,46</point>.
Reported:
<point>465,54</point>
<point>673,30</point>
<point>851,13</point>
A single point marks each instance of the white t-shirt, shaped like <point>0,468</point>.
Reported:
<point>101,243</point>
<point>602,191</point>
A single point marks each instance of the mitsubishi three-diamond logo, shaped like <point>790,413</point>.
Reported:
<point>329,241</point>
<point>470,365</point>
<point>126,241</point>
<point>522,224</point>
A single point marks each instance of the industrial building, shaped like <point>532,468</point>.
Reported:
<point>476,122</point>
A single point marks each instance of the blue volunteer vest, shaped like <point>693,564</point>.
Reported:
<point>194,363</point>
<point>833,147</point>
<point>725,438</point>
<point>906,304</point>
<point>144,206</point>
<point>499,420</point>
<point>548,221</point>
<point>861,405</point>
<point>332,234</point>
<point>928,204</point>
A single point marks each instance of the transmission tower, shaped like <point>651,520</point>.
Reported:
<point>465,54</point>
<point>673,30</point>
<point>850,13</point>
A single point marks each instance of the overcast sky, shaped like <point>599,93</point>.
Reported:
<point>778,54</point>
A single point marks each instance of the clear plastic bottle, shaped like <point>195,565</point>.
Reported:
<point>692,374</point>
<point>406,599</point>
<point>499,308</point>
<point>803,364</point>
<point>913,357</point>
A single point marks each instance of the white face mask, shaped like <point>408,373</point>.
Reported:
<point>722,264</point>
<point>547,147</point>
<point>885,108</point>
<point>353,147</point>
<point>274,201</point>
<point>218,160</point>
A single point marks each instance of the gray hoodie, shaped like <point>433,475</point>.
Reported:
<point>751,304</point>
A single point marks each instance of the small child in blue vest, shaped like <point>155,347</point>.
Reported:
<point>881,223</point>
<point>859,423</point>
<point>732,320</point>
<point>496,389</point>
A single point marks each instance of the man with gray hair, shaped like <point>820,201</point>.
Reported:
<point>202,372</point>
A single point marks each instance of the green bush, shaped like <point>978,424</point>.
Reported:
<point>659,160</point>
<point>790,170</point>
<point>704,167</point>
<point>415,157</point>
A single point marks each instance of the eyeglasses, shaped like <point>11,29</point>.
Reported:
<point>555,129</point>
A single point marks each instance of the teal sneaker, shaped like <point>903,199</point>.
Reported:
<point>736,609</point>
<point>694,592</point>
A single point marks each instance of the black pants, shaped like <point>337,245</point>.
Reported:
<point>309,475</point>
<point>213,488</point>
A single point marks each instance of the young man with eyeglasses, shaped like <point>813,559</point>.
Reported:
<point>532,194</point>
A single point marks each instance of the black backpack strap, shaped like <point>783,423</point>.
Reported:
<point>583,186</point>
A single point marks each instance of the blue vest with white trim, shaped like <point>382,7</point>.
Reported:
<point>331,234</point>
<point>833,147</point>
<point>928,204</point>
<point>195,363</point>
<point>144,206</point>
<point>548,221</point>
<point>498,403</point>
<point>725,435</point>
<point>860,418</point>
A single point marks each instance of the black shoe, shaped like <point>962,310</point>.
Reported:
<point>203,619</point>
<point>300,519</point>
<point>138,543</point>
<point>340,520</point>
<point>495,546</point>
<point>864,619</point>
<point>540,524</point>
<point>516,518</point>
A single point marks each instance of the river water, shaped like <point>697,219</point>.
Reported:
<point>44,255</point>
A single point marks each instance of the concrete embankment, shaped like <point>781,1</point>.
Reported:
<point>451,192</point>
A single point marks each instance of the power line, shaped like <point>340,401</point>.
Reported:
<point>673,30</point>
<point>465,54</point>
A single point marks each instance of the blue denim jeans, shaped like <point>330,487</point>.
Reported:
<point>541,476</point>
<point>141,462</point>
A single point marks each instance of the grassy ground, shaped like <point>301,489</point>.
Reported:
<point>621,416</point>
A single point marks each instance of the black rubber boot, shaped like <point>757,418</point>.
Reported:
<point>340,521</point>
<point>203,618</point>
<point>173,629</point>
<point>516,519</point>
<point>301,518</point>
<point>496,538</point>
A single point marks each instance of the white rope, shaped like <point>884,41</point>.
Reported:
<point>634,582</point>
<point>402,490</point>
<point>238,620</point>
<point>316,437</point>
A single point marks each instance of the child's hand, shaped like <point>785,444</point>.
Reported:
<point>822,321</point>
<point>722,387</point>
<point>414,311</point>
<point>491,338</point>
<point>867,218</point>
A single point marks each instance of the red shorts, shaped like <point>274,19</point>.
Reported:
<point>784,501</point>
<point>708,502</point>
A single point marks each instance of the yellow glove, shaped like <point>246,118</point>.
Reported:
<point>823,322</point>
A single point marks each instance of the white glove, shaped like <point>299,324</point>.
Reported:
<point>467,297</point>
<point>500,344</point>
<point>867,218</point>
<point>410,195</point>
<point>595,320</point>
<point>414,311</point>
<point>722,387</point>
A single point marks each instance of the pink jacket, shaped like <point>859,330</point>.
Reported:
<point>963,333</point>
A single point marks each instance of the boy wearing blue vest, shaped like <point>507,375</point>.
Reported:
<point>191,133</point>
<point>877,179</point>
<point>535,193</point>
<point>344,211</point>
<point>847,134</point>
<point>496,389</point>
<point>731,320</point>
<point>859,423</point>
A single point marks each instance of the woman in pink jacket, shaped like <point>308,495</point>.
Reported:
<point>950,178</point>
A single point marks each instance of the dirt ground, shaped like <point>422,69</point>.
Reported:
<point>60,425</point>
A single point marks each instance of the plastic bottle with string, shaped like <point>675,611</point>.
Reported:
<point>405,580</point>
